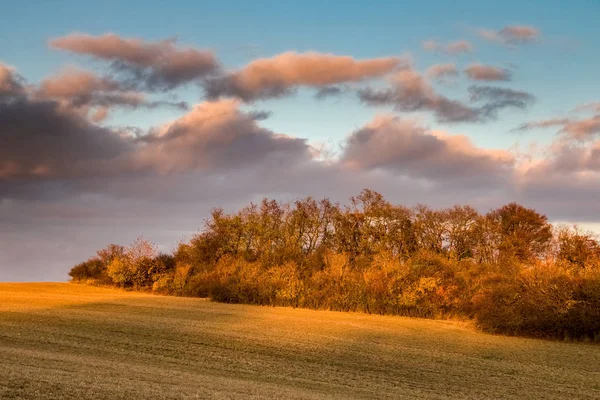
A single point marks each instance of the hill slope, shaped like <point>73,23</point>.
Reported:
<point>72,341</point>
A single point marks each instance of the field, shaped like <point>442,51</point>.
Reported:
<point>67,341</point>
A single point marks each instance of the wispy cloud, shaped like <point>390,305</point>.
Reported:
<point>511,35</point>
<point>441,71</point>
<point>451,48</point>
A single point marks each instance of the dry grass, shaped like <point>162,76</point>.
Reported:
<point>61,341</point>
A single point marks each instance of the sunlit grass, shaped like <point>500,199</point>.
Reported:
<point>73,341</point>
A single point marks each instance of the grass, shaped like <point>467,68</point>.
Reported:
<point>67,341</point>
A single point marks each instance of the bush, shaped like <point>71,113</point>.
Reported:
<point>90,270</point>
<point>546,304</point>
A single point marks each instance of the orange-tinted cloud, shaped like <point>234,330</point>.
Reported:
<point>581,129</point>
<point>271,77</point>
<point>84,90</point>
<point>479,72</point>
<point>452,48</point>
<point>10,81</point>
<point>215,135</point>
<point>73,82</point>
<point>158,65</point>
<point>441,71</point>
<point>511,35</point>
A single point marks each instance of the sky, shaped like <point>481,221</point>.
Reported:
<point>120,119</point>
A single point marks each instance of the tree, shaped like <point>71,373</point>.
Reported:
<point>462,231</point>
<point>90,269</point>
<point>578,248</point>
<point>524,234</point>
<point>431,229</point>
<point>109,253</point>
<point>136,266</point>
<point>120,271</point>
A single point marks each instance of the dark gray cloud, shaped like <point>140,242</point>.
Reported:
<point>493,93</point>
<point>158,65</point>
<point>411,92</point>
<point>38,140</point>
<point>329,91</point>
<point>542,124</point>
<point>496,99</point>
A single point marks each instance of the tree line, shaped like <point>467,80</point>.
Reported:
<point>509,270</point>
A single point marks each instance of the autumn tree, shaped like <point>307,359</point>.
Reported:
<point>577,248</point>
<point>524,234</point>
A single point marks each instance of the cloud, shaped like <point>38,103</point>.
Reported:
<point>511,35</point>
<point>411,92</point>
<point>496,99</point>
<point>403,146</point>
<point>479,72</point>
<point>84,90</point>
<point>329,91</point>
<point>441,71</point>
<point>458,47</point>
<point>588,107</point>
<point>568,157</point>
<point>452,48</point>
<point>74,82</point>
<point>565,180</point>
<point>10,82</point>
<point>431,45</point>
<point>542,124</point>
<point>216,135</point>
<point>40,140</point>
<point>278,75</point>
<point>582,129</point>
<point>158,65</point>
<point>495,93</point>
